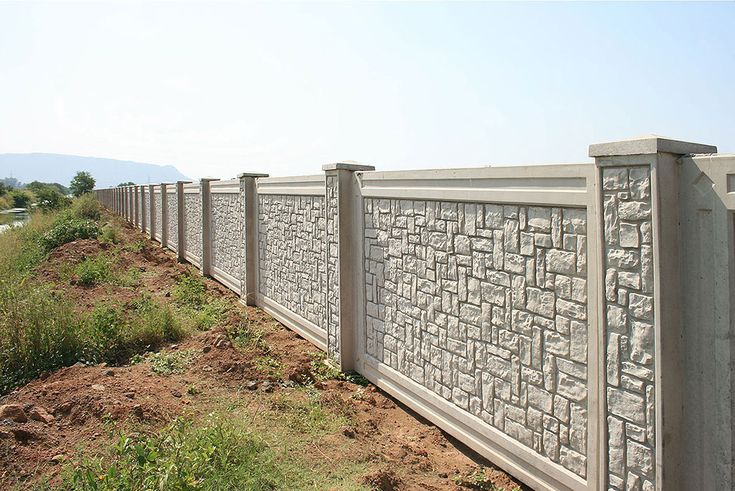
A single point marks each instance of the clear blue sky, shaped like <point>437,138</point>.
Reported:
<point>217,89</point>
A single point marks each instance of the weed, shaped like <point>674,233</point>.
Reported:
<point>218,455</point>
<point>110,234</point>
<point>93,271</point>
<point>323,368</point>
<point>67,228</point>
<point>477,479</point>
<point>128,279</point>
<point>136,246</point>
<point>190,294</point>
<point>269,366</point>
<point>167,362</point>
<point>193,390</point>
<point>244,336</point>
<point>86,207</point>
<point>190,291</point>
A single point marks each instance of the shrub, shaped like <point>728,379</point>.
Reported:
<point>38,332</point>
<point>87,207</point>
<point>190,291</point>
<point>49,198</point>
<point>20,199</point>
<point>95,270</point>
<point>110,234</point>
<point>67,229</point>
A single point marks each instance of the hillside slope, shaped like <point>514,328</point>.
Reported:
<point>49,167</point>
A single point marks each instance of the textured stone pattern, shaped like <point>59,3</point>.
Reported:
<point>158,214</point>
<point>228,241</point>
<point>486,305</point>
<point>193,224</point>
<point>145,212</point>
<point>332,267</point>
<point>292,262</point>
<point>629,331</point>
<point>173,220</point>
<point>139,204</point>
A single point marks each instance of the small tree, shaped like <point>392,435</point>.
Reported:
<point>21,199</point>
<point>82,183</point>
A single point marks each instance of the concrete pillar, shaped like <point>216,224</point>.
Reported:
<point>206,259</point>
<point>151,212</point>
<point>249,195</point>
<point>641,400</point>
<point>164,215</point>
<point>344,238</point>
<point>143,209</point>
<point>181,214</point>
<point>136,205</point>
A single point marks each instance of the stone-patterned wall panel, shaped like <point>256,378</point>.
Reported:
<point>486,305</point>
<point>292,262</point>
<point>193,223</point>
<point>172,201</point>
<point>332,267</point>
<point>227,233</point>
<point>157,202</point>
<point>629,333</point>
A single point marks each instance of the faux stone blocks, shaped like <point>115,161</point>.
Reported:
<point>485,305</point>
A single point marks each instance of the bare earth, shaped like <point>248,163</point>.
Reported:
<point>401,450</point>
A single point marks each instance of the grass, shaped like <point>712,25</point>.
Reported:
<point>166,363</point>
<point>191,297</point>
<point>41,331</point>
<point>218,455</point>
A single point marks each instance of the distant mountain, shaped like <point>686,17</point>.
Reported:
<point>50,167</point>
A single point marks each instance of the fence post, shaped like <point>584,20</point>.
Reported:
<point>181,217</point>
<point>205,192</point>
<point>249,273</point>
<point>641,403</point>
<point>343,241</point>
<point>136,206</point>
<point>164,215</point>
<point>126,203</point>
<point>143,211</point>
<point>151,213</point>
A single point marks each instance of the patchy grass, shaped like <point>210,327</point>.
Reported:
<point>167,362</point>
<point>191,297</point>
<point>217,455</point>
<point>94,270</point>
<point>323,368</point>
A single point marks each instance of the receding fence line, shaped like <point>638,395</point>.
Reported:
<point>554,318</point>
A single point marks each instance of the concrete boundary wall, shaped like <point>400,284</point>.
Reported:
<point>572,323</point>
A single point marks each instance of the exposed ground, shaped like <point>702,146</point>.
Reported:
<point>249,368</point>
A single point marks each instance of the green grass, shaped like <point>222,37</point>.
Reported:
<point>94,270</point>
<point>191,297</point>
<point>166,363</point>
<point>218,455</point>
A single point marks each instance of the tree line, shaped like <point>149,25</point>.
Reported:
<point>44,195</point>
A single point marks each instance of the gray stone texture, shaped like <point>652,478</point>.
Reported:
<point>629,327</point>
<point>227,233</point>
<point>485,305</point>
<point>173,220</point>
<point>292,259</point>
<point>193,224</point>
<point>158,215</point>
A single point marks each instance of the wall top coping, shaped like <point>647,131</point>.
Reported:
<point>252,174</point>
<point>352,166</point>
<point>648,144</point>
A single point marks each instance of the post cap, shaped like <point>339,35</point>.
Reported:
<point>252,174</point>
<point>350,165</point>
<point>648,144</point>
<point>205,179</point>
<point>183,182</point>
